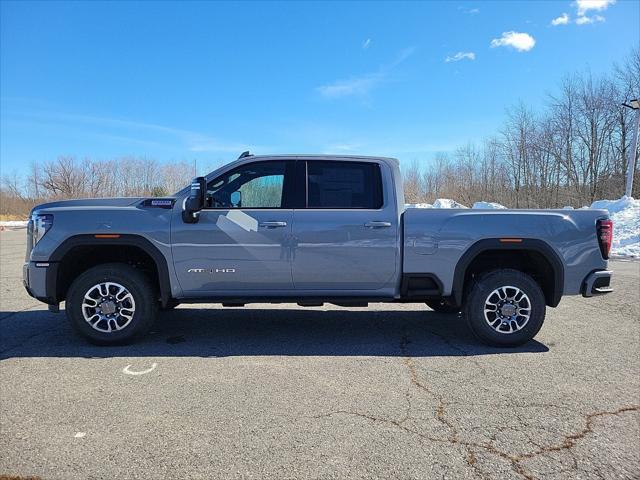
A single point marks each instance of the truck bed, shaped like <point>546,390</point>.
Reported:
<point>436,239</point>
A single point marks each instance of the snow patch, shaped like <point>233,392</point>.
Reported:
<point>447,203</point>
<point>14,223</point>
<point>418,205</point>
<point>488,206</point>
<point>625,213</point>
<point>439,203</point>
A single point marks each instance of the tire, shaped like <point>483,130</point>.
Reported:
<point>442,306</point>
<point>508,326</point>
<point>129,314</point>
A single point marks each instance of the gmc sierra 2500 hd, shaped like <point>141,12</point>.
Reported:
<point>309,230</point>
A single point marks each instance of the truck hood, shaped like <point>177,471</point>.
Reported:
<point>91,202</point>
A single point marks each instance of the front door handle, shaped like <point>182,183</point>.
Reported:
<point>377,224</point>
<point>272,224</point>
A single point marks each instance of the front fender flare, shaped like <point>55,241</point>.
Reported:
<point>125,240</point>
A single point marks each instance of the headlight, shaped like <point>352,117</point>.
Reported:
<point>41,225</point>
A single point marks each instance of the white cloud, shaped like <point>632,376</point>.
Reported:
<point>522,42</point>
<point>363,84</point>
<point>352,86</point>
<point>561,20</point>
<point>401,57</point>
<point>460,56</point>
<point>584,20</point>
<point>366,44</point>
<point>342,148</point>
<point>469,11</point>
<point>584,6</point>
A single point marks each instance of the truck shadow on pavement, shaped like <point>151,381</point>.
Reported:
<point>197,332</point>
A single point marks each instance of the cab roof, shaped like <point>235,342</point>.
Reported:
<point>318,157</point>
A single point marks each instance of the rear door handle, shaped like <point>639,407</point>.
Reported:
<point>272,224</point>
<point>377,224</point>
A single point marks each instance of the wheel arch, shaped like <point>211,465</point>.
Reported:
<point>549,265</point>
<point>122,246</point>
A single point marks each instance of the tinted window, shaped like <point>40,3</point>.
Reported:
<point>255,185</point>
<point>343,185</point>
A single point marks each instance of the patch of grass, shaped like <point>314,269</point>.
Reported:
<point>8,217</point>
<point>18,477</point>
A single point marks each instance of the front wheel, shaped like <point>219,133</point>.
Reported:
<point>505,308</point>
<point>111,304</point>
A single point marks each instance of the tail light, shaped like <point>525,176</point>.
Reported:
<point>604,230</point>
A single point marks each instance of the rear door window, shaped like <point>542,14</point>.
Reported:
<point>343,185</point>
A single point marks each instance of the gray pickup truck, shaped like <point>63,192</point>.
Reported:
<point>309,230</point>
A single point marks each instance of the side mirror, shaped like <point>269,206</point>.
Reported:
<point>195,201</point>
<point>236,199</point>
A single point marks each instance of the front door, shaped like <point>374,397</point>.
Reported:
<point>242,241</point>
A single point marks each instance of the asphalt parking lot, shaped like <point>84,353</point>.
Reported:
<point>278,391</point>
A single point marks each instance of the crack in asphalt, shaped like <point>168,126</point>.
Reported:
<point>466,355</point>
<point>566,444</point>
<point>415,380</point>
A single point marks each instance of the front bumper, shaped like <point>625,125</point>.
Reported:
<point>597,283</point>
<point>34,279</point>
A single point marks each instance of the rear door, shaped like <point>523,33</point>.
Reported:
<point>242,242</point>
<point>346,236</point>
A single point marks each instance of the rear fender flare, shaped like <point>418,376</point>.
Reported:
<point>535,245</point>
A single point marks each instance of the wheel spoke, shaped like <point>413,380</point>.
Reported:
<point>87,299</point>
<point>122,294</point>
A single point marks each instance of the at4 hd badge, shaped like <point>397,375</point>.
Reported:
<point>211,270</point>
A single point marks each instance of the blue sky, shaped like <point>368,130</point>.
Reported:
<point>205,81</point>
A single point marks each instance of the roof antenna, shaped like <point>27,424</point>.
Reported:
<point>244,154</point>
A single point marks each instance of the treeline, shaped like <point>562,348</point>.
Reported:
<point>572,152</point>
<point>67,177</point>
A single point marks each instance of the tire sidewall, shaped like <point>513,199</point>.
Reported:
<point>483,286</point>
<point>132,280</point>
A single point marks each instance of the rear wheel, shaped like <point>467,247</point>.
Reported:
<point>111,304</point>
<point>505,308</point>
<point>442,306</point>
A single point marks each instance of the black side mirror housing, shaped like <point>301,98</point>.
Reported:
<point>195,201</point>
